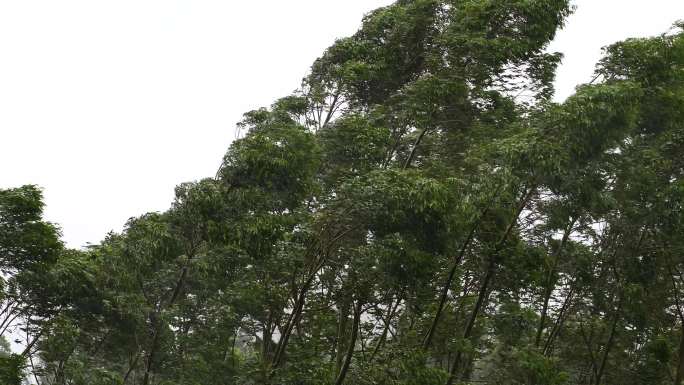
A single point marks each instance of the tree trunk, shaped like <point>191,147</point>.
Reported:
<point>293,319</point>
<point>484,287</point>
<point>679,379</point>
<point>427,341</point>
<point>341,333</point>
<point>447,285</point>
<point>407,164</point>
<point>153,351</point>
<point>551,283</point>
<point>481,299</point>
<point>352,344</point>
<point>609,344</point>
<point>131,367</point>
<point>266,340</point>
<point>679,375</point>
<point>385,330</point>
<point>157,323</point>
<point>558,324</point>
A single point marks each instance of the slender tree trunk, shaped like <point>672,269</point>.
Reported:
<point>679,375</point>
<point>618,310</point>
<point>266,341</point>
<point>157,323</point>
<point>341,333</point>
<point>407,164</point>
<point>232,350</point>
<point>131,367</point>
<point>551,282</point>
<point>679,379</point>
<point>352,344</point>
<point>33,369</point>
<point>293,318</point>
<point>590,350</point>
<point>60,378</point>
<point>385,330</point>
<point>331,110</point>
<point>427,341</point>
<point>447,286</point>
<point>558,324</point>
<point>542,319</point>
<point>609,344</point>
<point>484,287</point>
<point>27,349</point>
<point>9,318</point>
<point>59,374</point>
<point>481,299</point>
<point>153,351</point>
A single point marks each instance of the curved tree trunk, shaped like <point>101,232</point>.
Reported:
<point>447,286</point>
<point>427,341</point>
<point>551,283</point>
<point>341,333</point>
<point>352,344</point>
<point>392,309</point>
<point>293,319</point>
<point>609,344</point>
<point>558,324</point>
<point>484,287</point>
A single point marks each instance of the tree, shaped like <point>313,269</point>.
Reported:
<point>419,212</point>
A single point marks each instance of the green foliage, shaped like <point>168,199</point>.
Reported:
<point>25,239</point>
<point>418,213</point>
<point>11,369</point>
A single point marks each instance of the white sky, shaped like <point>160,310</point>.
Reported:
<point>108,105</point>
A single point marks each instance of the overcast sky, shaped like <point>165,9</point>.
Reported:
<point>107,105</point>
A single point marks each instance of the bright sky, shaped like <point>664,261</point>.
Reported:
<point>108,105</point>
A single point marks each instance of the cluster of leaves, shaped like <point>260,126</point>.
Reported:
<point>419,212</point>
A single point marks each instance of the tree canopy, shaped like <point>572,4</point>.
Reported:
<point>419,212</point>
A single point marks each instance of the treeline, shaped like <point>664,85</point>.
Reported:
<point>420,212</point>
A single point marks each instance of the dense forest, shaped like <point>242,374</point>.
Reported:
<point>418,212</point>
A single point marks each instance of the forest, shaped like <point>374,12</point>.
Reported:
<point>419,212</point>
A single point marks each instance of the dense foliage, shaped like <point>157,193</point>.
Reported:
<point>420,212</point>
